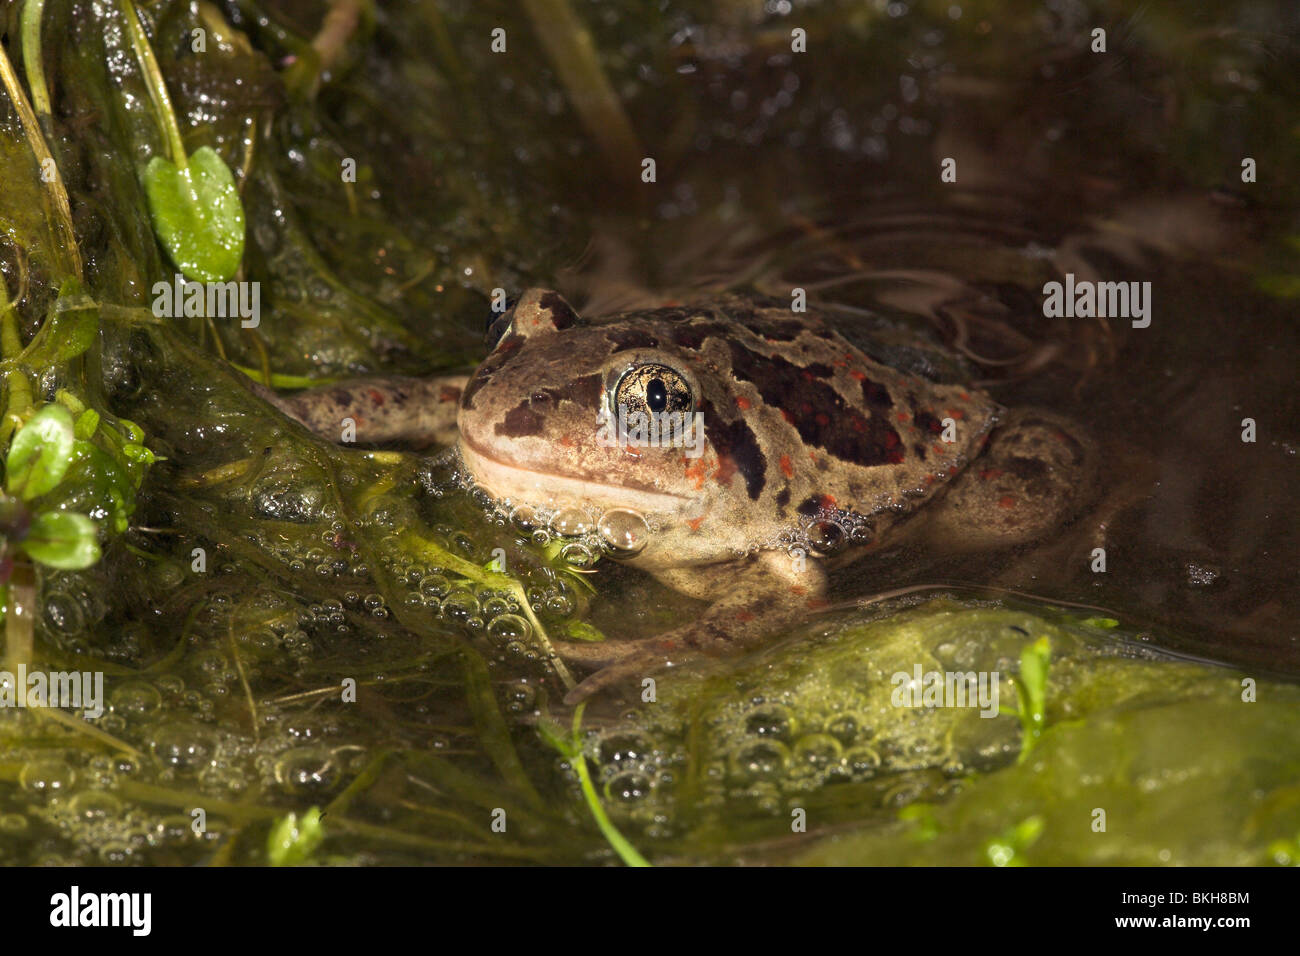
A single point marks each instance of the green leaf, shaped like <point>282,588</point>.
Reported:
<point>292,840</point>
<point>40,454</point>
<point>103,483</point>
<point>63,540</point>
<point>582,631</point>
<point>86,424</point>
<point>71,329</point>
<point>138,453</point>
<point>197,214</point>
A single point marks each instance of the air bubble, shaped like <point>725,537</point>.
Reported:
<point>629,787</point>
<point>509,627</point>
<point>826,537</point>
<point>524,518</point>
<point>846,728</point>
<point>135,697</point>
<point>760,760</point>
<point>46,776</point>
<point>623,532</point>
<point>63,613</point>
<point>862,761</point>
<point>570,523</point>
<point>307,770</point>
<point>577,555</point>
<point>772,721</point>
<point>185,747</point>
<point>435,586</point>
<point>817,752</point>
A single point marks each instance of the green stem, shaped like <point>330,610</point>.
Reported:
<point>162,103</point>
<point>18,616</point>
<point>572,52</point>
<point>19,396</point>
<point>626,851</point>
<point>56,192</point>
<point>32,61</point>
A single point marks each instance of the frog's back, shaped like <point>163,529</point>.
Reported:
<point>802,425</point>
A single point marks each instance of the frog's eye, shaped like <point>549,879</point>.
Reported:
<point>653,388</point>
<point>497,325</point>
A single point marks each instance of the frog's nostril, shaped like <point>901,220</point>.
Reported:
<point>656,395</point>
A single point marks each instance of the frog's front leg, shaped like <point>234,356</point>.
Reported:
<point>753,601</point>
<point>374,411</point>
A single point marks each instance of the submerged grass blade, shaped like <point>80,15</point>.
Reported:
<point>625,850</point>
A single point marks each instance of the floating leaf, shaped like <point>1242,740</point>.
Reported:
<point>41,453</point>
<point>63,540</point>
<point>197,214</point>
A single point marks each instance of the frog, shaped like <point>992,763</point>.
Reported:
<point>788,449</point>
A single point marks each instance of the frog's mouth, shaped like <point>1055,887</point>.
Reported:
<point>504,480</point>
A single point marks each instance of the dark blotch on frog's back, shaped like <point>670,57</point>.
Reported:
<point>562,315</point>
<point>927,422</point>
<point>816,410</point>
<point>624,338</point>
<point>501,356</point>
<point>735,443</point>
<point>694,334</point>
<point>529,416</point>
<point>520,421</point>
<point>875,394</point>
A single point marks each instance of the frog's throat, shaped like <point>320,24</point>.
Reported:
<point>547,488</point>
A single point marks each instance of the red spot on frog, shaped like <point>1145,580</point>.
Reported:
<point>1006,501</point>
<point>726,468</point>
<point>742,403</point>
<point>787,469</point>
<point>696,472</point>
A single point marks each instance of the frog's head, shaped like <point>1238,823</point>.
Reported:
<point>794,422</point>
<point>539,422</point>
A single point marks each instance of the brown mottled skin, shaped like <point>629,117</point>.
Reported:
<point>415,410</point>
<point>800,426</point>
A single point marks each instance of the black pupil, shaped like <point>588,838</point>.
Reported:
<point>656,395</point>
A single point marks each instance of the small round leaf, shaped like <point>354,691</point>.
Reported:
<point>197,214</point>
<point>63,540</point>
<point>40,454</point>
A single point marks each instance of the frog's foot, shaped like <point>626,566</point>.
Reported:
<point>1033,476</point>
<point>766,596</point>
